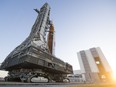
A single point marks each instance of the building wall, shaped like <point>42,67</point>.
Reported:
<point>81,63</point>
<point>103,60</point>
<point>92,62</point>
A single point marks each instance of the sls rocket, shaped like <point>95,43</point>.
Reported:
<point>51,39</point>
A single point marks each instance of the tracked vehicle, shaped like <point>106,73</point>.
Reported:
<point>35,56</point>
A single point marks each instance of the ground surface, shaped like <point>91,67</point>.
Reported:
<point>18,84</point>
<point>97,85</point>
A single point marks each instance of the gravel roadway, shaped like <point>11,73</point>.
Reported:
<point>16,84</point>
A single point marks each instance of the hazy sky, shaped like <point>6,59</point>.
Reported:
<point>79,25</point>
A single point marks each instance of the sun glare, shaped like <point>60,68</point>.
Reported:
<point>114,75</point>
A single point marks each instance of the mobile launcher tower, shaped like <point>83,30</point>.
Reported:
<point>35,56</point>
<point>94,66</point>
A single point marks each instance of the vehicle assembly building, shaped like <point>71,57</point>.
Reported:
<point>94,65</point>
<point>35,57</point>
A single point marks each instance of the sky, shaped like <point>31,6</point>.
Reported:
<point>79,25</point>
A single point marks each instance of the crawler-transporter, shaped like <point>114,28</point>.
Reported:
<point>35,57</point>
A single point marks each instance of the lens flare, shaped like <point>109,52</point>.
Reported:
<point>114,75</point>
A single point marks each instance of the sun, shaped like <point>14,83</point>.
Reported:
<point>114,75</point>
